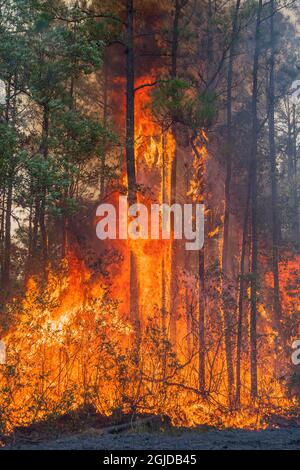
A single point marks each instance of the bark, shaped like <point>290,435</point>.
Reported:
<point>7,234</point>
<point>42,212</point>
<point>64,233</point>
<point>175,38</point>
<point>8,192</point>
<point>35,229</point>
<point>210,38</point>
<point>201,321</point>
<point>105,118</point>
<point>30,220</point>
<point>292,171</point>
<point>241,302</point>
<point>130,154</point>
<point>290,149</point>
<point>226,233</point>
<point>173,287</point>
<point>295,184</point>
<point>65,218</point>
<point>253,176</point>
<point>272,150</point>
<point>2,226</point>
<point>201,303</point>
<point>163,273</point>
<point>130,157</point>
<point>188,301</point>
<point>188,312</point>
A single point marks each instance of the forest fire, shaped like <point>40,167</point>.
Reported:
<point>148,326</point>
<point>70,343</point>
<point>71,347</point>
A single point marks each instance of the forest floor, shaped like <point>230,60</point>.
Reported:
<point>271,439</point>
<point>85,429</point>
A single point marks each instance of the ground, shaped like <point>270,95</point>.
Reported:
<point>271,439</point>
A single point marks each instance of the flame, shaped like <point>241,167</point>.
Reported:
<point>71,342</point>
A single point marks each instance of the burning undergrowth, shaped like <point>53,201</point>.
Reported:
<point>70,347</point>
<point>144,326</point>
<point>127,336</point>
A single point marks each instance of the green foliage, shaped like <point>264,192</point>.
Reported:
<point>169,98</point>
<point>76,136</point>
<point>201,111</point>
<point>42,60</point>
<point>8,142</point>
<point>176,101</point>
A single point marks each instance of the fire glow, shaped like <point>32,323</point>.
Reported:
<point>135,323</point>
<point>72,341</point>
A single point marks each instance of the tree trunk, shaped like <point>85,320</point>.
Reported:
<point>295,184</point>
<point>241,302</point>
<point>2,227</point>
<point>253,176</point>
<point>130,154</point>
<point>201,303</point>
<point>7,233</point>
<point>8,206</point>
<point>130,157</point>
<point>42,212</point>
<point>201,321</point>
<point>272,149</point>
<point>163,269</point>
<point>34,238</point>
<point>173,281</point>
<point>105,118</point>
<point>210,37</point>
<point>226,233</point>
<point>188,300</point>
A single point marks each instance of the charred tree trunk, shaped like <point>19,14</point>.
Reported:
<point>173,281</point>
<point>188,300</point>
<point>295,184</point>
<point>130,154</point>
<point>201,304</point>
<point>42,211</point>
<point>2,227</point>
<point>8,192</point>
<point>130,157</point>
<point>272,150</point>
<point>292,172</point>
<point>65,217</point>
<point>7,233</point>
<point>225,248</point>
<point>163,272</point>
<point>188,312</point>
<point>253,179</point>
<point>241,301</point>
<point>33,237</point>
<point>201,321</point>
<point>105,119</point>
<point>210,37</point>
<point>290,149</point>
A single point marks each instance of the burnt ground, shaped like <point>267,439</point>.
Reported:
<point>287,439</point>
<point>85,429</point>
